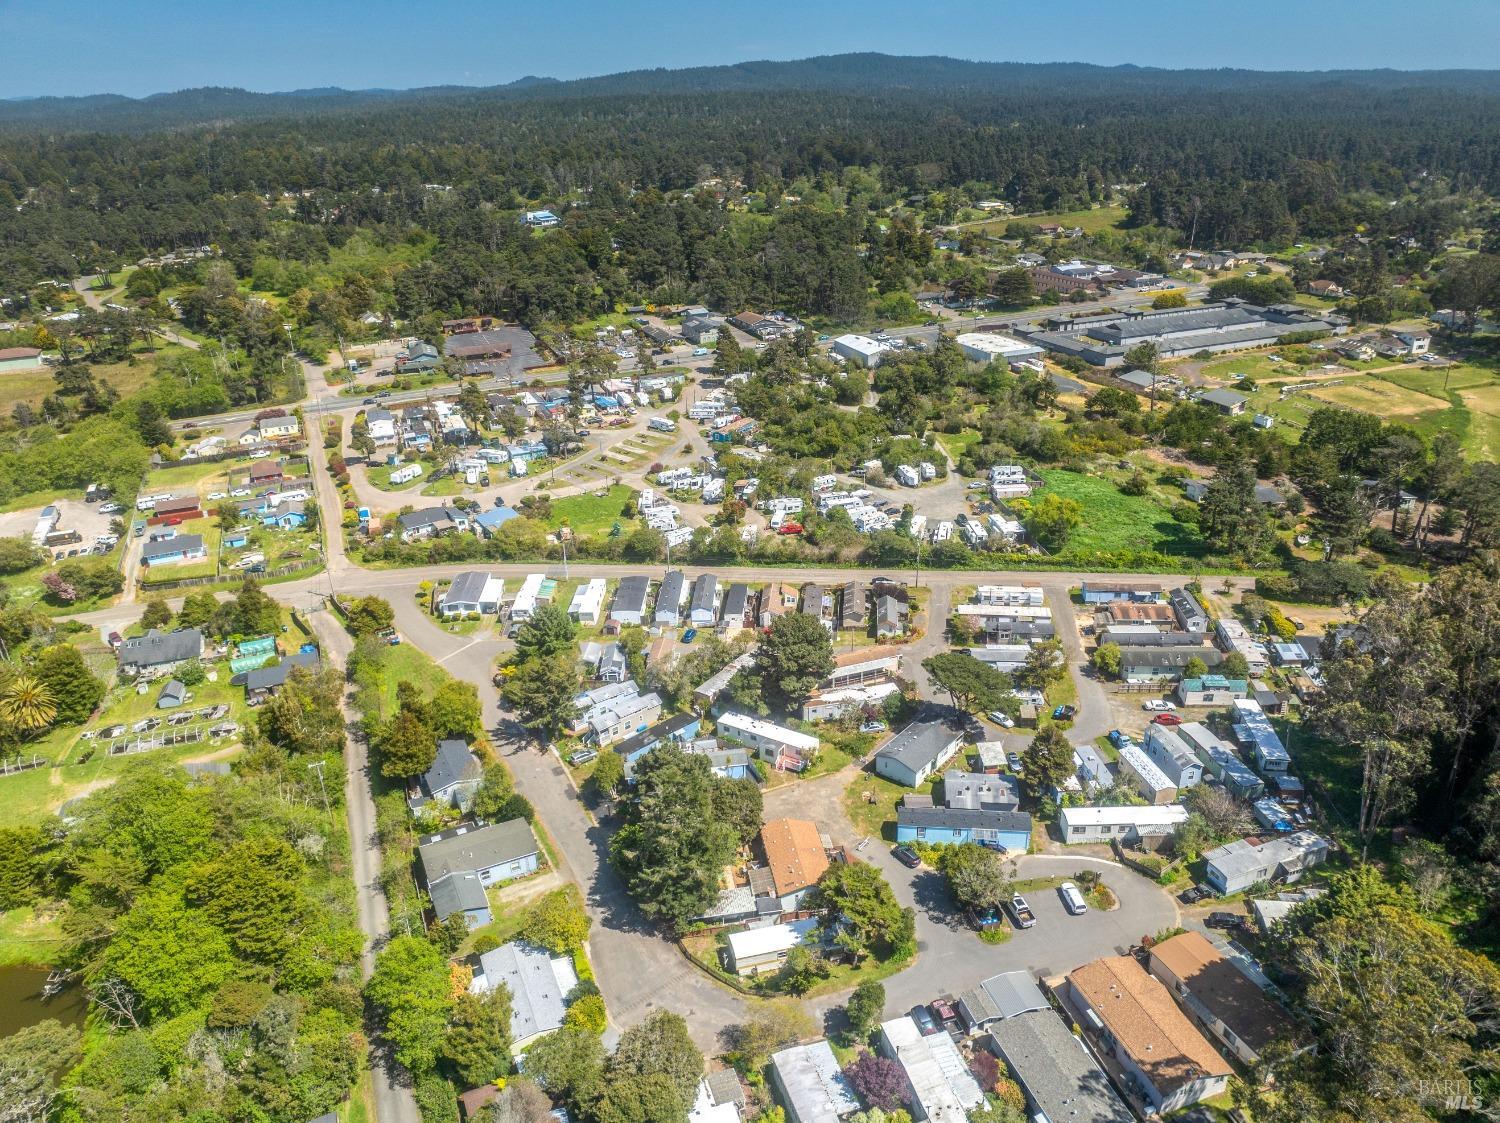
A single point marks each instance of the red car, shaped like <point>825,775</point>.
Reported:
<point>789,528</point>
<point>1167,719</point>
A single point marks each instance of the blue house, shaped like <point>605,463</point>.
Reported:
<point>286,515</point>
<point>460,892</point>
<point>1009,831</point>
<point>234,539</point>
<point>679,727</point>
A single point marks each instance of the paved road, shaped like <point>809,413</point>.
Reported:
<point>638,971</point>
<point>393,1097</point>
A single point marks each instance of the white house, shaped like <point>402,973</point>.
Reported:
<point>472,592</point>
<point>758,950</point>
<point>941,1086</point>
<point>1130,825</point>
<point>528,597</point>
<point>775,744</point>
<point>1238,865</point>
<point>588,602</point>
<point>918,751</point>
<point>1149,780</point>
<point>1174,756</point>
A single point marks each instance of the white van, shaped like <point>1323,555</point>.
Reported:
<point>1072,899</point>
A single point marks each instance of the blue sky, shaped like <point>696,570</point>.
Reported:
<point>147,46</point>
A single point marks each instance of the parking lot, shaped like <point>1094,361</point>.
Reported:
<point>74,515</point>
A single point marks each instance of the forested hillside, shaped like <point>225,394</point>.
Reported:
<point>1293,148</point>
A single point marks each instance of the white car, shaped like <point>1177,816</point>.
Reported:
<point>1002,719</point>
<point>240,492</point>
<point>1158,705</point>
<point>110,508</point>
<point>212,495</point>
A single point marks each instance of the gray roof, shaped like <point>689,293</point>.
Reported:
<point>1186,606</point>
<point>378,415</point>
<point>736,597</point>
<point>1054,1069</point>
<point>959,818</point>
<point>536,1004</point>
<point>1162,657</point>
<point>889,610</point>
<point>978,790</point>
<point>467,587</point>
<point>156,647</point>
<point>475,848</point>
<point>171,547</point>
<point>173,689</point>
<point>669,595</point>
<point>454,764</point>
<point>922,742</point>
<point>1142,378</point>
<point>1222,398</point>
<point>705,592</point>
<point>1002,996</point>
<point>268,678</point>
<point>414,520</point>
<point>630,595</point>
<point>811,1080</point>
<point>458,892</point>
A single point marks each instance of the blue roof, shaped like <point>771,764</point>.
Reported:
<point>497,517</point>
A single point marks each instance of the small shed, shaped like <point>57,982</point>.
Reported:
<point>172,695</point>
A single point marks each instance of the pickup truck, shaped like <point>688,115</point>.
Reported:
<point>1020,912</point>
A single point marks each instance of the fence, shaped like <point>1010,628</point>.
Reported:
<point>225,578</point>
<point>16,765</point>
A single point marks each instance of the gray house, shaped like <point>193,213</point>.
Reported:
<point>497,852</point>
<point>1190,614</point>
<point>157,649</point>
<point>629,605</point>
<point>453,778</point>
<point>703,610</point>
<point>913,755</point>
<point>669,599</point>
<point>460,892</point>
<point>538,983</point>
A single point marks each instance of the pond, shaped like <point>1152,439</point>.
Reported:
<point>22,1004</point>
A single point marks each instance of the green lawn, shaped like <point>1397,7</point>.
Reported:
<point>1113,521</point>
<point>31,386</point>
<point>408,663</point>
<point>380,476</point>
<point>31,796</point>
<point>591,514</point>
<point>448,485</point>
<point>26,937</point>
<point>875,816</point>
<point>959,443</point>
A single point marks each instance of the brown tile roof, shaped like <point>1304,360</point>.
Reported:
<point>794,852</point>
<point>7,353</point>
<point>1141,1015</point>
<point>1222,988</point>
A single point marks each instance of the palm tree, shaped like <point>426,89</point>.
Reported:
<point>27,703</point>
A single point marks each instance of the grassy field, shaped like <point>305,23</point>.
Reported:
<point>1114,521</point>
<point>591,514</point>
<point>1091,221</point>
<point>30,796</point>
<point>406,663</point>
<point>1462,399</point>
<point>959,443</point>
<point>32,386</point>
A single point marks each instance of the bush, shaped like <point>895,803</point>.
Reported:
<point>587,1013</point>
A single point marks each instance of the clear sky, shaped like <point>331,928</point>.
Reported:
<point>148,46</point>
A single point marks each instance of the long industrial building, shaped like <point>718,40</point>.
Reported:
<point>1228,326</point>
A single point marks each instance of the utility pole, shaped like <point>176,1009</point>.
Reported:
<point>317,766</point>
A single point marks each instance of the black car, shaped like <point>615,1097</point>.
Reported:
<point>907,857</point>
<point>369,401</point>
<point>1227,921</point>
<point>924,1019</point>
<point>1194,895</point>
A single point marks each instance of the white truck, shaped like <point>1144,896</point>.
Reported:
<point>662,424</point>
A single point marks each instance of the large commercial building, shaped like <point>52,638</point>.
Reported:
<point>1228,326</point>
<point>991,347</point>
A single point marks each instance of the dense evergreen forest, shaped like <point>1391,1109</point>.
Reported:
<point>1229,155</point>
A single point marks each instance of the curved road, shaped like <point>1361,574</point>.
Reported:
<point>637,970</point>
